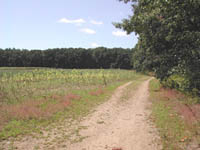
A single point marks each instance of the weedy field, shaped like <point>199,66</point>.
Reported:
<point>32,98</point>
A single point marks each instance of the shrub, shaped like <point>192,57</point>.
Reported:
<point>178,82</point>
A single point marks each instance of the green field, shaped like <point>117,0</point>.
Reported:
<point>34,97</point>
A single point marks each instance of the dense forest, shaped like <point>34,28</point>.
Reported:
<point>69,58</point>
<point>169,40</point>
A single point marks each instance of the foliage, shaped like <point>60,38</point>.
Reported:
<point>177,82</point>
<point>68,58</point>
<point>180,83</point>
<point>169,38</point>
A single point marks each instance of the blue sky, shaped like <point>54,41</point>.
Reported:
<point>42,24</point>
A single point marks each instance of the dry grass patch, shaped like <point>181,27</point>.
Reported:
<point>97,92</point>
<point>35,109</point>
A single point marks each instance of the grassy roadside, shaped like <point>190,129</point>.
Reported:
<point>175,132</point>
<point>80,105</point>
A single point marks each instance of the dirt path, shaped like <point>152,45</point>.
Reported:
<point>124,126</point>
<point>114,125</point>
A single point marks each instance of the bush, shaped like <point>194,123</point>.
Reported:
<point>178,82</point>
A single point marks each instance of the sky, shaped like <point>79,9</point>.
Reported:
<point>43,24</point>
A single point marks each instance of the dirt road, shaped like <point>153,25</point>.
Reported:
<point>120,126</point>
<point>121,123</point>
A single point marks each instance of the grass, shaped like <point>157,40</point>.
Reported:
<point>175,133</point>
<point>128,93</point>
<point>17,86</point>
<point>77,109</point>
<point>35,99</point>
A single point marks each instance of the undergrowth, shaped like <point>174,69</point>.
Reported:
<point>175,133</point>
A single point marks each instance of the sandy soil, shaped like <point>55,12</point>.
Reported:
<point>114,125</point>
<point>120,126</point>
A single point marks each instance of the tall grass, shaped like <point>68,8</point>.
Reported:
<point>16,86</point>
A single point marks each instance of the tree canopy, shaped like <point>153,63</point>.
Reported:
<point>169,38</point>
<point>69,58</point>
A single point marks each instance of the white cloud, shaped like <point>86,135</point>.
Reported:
<point>119,33</point>
<point>96,22</point>
<point>95,45</point>
<point>88,31</point>
<point>76,21</point>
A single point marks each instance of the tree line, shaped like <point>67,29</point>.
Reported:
<point>169,40</point>
<point>68,58</point>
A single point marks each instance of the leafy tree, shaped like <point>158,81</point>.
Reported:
<point>169,37</point>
